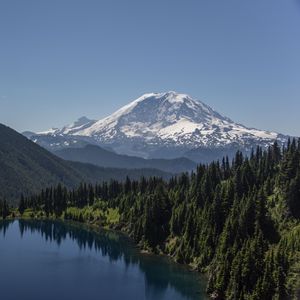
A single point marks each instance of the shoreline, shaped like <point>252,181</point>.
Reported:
<point>97,228</point>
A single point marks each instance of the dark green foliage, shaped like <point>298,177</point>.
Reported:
<point>4,209</point>
<point>27,168</point>
<point>239,222</point>
<point>22,205</point>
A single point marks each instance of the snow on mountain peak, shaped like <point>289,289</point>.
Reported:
<point>148,113</point>
<point>168,119</point>
<point>49,131</point>
<point>171,118</point>
<point>80,124</point>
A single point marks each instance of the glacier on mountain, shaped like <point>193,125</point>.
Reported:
<point>162,121</point>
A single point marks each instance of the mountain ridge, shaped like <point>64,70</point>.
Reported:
<point>168,121</point>
<point>25,167</point>
<point>101,157</point>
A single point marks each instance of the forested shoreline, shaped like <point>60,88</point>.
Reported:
<point>238,222</point>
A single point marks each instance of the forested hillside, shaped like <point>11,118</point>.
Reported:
<point>237,222</point>
<point>27,168</point>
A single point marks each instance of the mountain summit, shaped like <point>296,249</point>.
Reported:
<point>171,119</point>
<point>165,125</point>
<point>76,126</point>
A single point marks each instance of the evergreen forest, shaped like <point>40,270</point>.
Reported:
<point>236,221</point>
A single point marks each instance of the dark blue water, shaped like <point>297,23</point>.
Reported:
<point>43,260</point>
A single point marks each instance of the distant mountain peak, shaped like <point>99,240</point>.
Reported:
<point>169,117</point>
<point>170,96</point>
<point>166,120</point>
<point>80,124</point>
<point>82,120</point>
<point>50,131</point>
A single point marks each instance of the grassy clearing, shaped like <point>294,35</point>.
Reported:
<point>97,214</point>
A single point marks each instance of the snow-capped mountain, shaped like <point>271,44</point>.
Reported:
<point>56,139</point>
<point>81,124</point>
<point>159,125</point>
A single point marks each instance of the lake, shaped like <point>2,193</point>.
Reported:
<point>55,260</point>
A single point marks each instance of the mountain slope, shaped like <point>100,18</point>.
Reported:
<point>164,125</point>
<point>26,167</point>
<point>104,158</point>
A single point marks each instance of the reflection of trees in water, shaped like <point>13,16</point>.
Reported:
<point>4,226</point>
<point>159,274</point>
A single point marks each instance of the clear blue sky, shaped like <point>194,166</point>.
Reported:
<point>62,59</point>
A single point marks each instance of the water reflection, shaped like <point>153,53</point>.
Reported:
<point>159,273</point>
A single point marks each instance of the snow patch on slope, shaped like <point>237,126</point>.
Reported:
<point>166,119</point>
